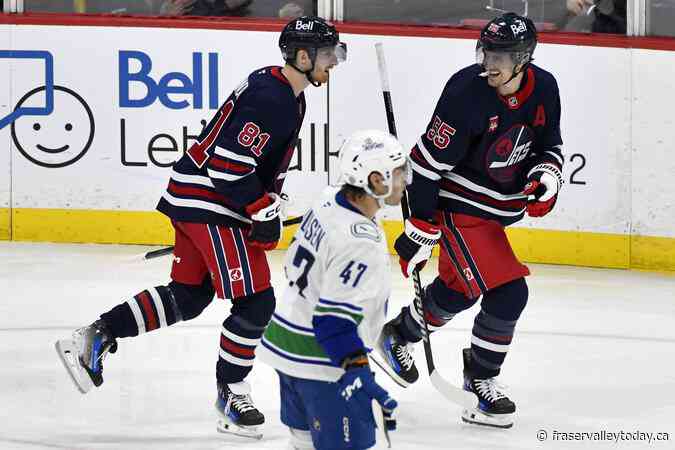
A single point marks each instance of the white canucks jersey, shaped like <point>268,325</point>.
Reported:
<point>337,265</point>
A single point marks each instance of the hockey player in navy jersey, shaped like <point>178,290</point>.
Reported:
<point>224,202</point>
<point>334,306</point>
<point>491,153</point>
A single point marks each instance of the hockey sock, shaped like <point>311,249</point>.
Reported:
<point>149,310</point>
<point>159,307</point>
<point>241,335</point>
<point>494,327</point>
<point>441,304</point>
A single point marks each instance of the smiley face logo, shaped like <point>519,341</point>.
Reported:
<point>59,139</point>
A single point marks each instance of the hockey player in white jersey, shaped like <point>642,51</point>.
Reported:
<point>334,306</point>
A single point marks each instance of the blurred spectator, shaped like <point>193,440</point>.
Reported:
<point>176,7</point>
<point>210,7</point>
<point>291,11</point>
<point>598,16</point>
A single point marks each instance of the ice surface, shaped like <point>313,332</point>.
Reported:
<point>594,351</point>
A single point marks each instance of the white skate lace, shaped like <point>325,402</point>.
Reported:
<point>490,389</point>
<point>404,356</point>
<point>107,344</point>
<point>242,403</point>
<point>106,349</point>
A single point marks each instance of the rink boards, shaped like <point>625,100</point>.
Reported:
<point>127,101</point>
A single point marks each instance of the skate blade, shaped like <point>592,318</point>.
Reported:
<point>225,425</point>
<point>380,361</point>
<point>477,417</point>
<point>68,354</point>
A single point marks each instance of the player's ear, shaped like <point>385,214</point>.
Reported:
<point>302,59</point>
<point>376,182</point>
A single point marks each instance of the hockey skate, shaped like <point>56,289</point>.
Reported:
<point>393,356</point>
<point>236,413</point>
<point>83,355</point>
<point>494,408</point>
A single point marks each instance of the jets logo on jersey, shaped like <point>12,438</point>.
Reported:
<point>235,274</point>
<point>507,152</point>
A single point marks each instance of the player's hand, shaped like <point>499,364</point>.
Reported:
<point>414,245</point>
<point>576,7</point>
<point>286,203</point>
<point>265,221</point>
<point>359,388</point>
<point>543,184</point>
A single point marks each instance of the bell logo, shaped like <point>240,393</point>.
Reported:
<point>520,28</point>
<point>300,26</point>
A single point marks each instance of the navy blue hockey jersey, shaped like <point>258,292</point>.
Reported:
<point>242,153</point>
<point>479,146</point>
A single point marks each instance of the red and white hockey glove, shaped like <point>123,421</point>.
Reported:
<point>543,184</point>
<point>265,221</point>
<point>414,245</point>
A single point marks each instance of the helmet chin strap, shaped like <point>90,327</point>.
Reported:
<point>307,73</point>
<point>514,74</point>
<point>382,197</point>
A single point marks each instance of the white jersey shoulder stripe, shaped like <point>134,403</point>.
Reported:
<point>483,190</point>
<point>428,158</point>
<point>201,204</point>
<point>192,179</point>
<point>226,176</point>
<point>424,172</point>
<point>220,151</point>
<point>497,212</point>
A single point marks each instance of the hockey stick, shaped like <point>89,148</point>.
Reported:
<point>381,421</point>
<point>450,392</point>
<point>168,250</point>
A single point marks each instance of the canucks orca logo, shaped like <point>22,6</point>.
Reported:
<point>367,230</point>
<point>505,156</point>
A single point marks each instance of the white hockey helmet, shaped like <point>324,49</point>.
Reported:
<point>368,151</point>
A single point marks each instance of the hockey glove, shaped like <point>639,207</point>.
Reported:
<point>543,183</point>
<point>286,203</point>
<point>265,221</point>
<point>359,388</point>
<point>414,245</point>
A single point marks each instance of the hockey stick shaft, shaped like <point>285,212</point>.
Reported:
<point>405,209</point>
<point>450,392</point>
<point>168,250</point>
